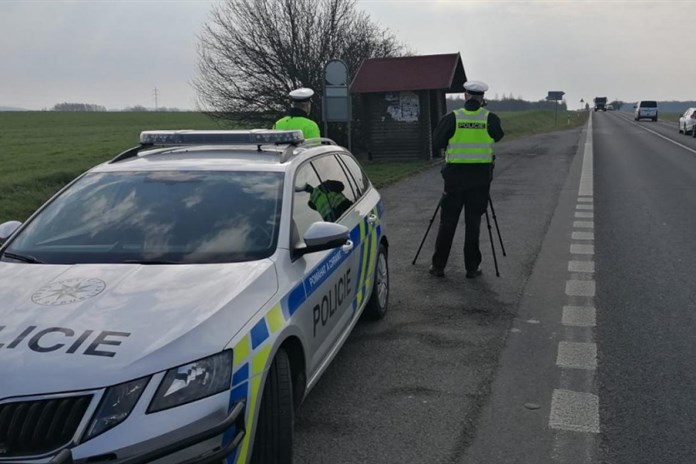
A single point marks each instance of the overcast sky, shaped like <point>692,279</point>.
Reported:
<point>116,52</point>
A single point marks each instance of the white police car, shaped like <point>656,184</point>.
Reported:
<point>177,303</point>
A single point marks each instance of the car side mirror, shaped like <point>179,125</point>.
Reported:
<point>323,236</point>
<point>7,229</point>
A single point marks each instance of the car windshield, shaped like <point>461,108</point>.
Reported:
<point>648,104</point>
<point>158,218</point>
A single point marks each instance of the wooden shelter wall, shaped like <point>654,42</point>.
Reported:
<point>390,138</point>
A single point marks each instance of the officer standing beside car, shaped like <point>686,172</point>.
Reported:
<point>297,116</point>
<point>467,135</point>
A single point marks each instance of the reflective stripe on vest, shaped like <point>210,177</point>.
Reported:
<point>471,142</point>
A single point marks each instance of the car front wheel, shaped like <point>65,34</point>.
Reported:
<point>379,300</point>
<point>273,441</point>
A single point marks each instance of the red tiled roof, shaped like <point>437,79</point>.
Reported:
<point>427,72</point>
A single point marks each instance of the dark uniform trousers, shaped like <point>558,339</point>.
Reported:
<point>474,201</point>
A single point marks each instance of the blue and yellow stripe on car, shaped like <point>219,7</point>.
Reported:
<point>252,352</point>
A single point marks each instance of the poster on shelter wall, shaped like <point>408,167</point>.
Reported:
<point>405,108</point>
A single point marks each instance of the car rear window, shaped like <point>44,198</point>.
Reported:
<point>648,104</point>
<point>158,217</point>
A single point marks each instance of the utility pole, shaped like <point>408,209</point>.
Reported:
<point>156,94</point>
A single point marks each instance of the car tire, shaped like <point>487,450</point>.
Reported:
<point>680,129</point>
<point>273,441</point>
<point>378,303</point>
<point>693,131</point>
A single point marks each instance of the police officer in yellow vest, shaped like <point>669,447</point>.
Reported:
<point>328,200</point>
<point>298,115</point>
<point>467,135</point>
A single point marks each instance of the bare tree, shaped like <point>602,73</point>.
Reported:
<point>252,53</point>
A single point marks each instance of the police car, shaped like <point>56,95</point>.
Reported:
<point>177,303</point>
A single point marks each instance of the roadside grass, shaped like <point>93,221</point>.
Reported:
<point>517,124</point>
<point>40,152</point>
<point>672,117</point>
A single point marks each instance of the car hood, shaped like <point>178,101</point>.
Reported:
<point>65,328</point>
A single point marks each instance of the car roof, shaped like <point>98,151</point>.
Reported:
<point>217,158</point>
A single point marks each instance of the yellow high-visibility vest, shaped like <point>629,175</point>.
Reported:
<point>471,142</point>
<point>309,128</point>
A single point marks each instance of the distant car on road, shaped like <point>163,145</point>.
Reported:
<point>645,109</point>
<point>610,107</point>
<point>687,121</point>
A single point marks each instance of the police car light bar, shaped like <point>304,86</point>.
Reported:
<point>221,137</point>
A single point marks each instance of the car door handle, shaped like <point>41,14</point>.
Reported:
<point>347,247</point>
<point>372,218</point>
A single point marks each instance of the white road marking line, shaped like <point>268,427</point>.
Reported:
<point>578,249</point>
<point>590,207</point>
<point>581,266</point>
<point>660,135</point>
<point>584,214</point>
<point>573,355</point>
<point>579,316</point>
<point>584,224</point>
<point>580,288</point>
<point>583,235</point>
<point>574,411</point>
<point>586,181</point>
<point>585,199</point>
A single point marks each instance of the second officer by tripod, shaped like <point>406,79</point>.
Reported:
<point>467,136</point>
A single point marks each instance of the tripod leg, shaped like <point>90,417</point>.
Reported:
<point>490,235</point>
<point>427,231</point>
<point>495,220</point>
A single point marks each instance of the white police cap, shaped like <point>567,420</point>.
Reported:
<point>302,94</point>
<point>475,87</point>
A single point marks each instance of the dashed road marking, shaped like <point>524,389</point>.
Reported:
<point>581,266</point>
<point>578,411</point>
<point>579,249</point>
<point>583,224</point>
<point>583,236</point>
<point>579,316</point>
<point>574,411</point>
<point>580,288</point>
<point>573,355</point>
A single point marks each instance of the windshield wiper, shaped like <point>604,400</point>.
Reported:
<point>23,258</point>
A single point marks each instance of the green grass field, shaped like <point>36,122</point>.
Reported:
<point>41,151</point>
<point>673,117</point>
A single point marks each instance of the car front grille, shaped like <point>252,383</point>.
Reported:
<point>30,428</point>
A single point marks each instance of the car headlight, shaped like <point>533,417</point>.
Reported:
<point>194,381</point>
<point>115,406</point>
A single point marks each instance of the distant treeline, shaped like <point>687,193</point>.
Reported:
<point>510,104</point>
<point>88,107</point>
<point>78,107</point>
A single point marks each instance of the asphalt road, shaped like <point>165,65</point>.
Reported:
<point>412,388</point>
<point>582,351</point>
<point>646,293</point>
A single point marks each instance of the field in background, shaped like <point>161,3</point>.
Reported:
<point>673,117</point>
<point>41,151</point>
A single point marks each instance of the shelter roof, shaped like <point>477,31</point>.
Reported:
<point>425,72</point>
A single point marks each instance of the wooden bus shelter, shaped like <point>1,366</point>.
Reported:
<point>402,99</point>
